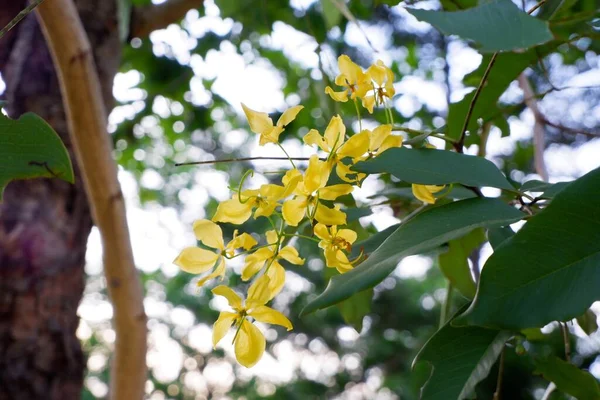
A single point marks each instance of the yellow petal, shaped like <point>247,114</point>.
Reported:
<point>329,216</point>
<point>276,274</point>
<point>347,234</point>
<point>293,210</point>
<point>349,70</point>
<point>268,315</point>
<point>422,193</point>
<point>209,233</point>
<point>259,121</point>
<point>291,255</point>
<point>218,271</point>
<point>222,325</point>
<point>389,142</point>
<point>346,174</point>
<point>335,133</point>
<point>234,299</point>
<point>377,73</point>
<point>368,102</point>
<point>272,237</point>
<point>316,175</point>
<point>233,211</point>
<point>378,135</point>
<point>255,262</point>
<point>341,97</point>
<point>289,115</point>
<point>356,146</point>
<point>249,345</point>
<point>334,191</point>
<point>322,232</point>
<point>265,209</point>
<point>244,241</point>
<point>313,137</point>
<point>196,260</point>
<point>434,188</point>
<point>258,293</point>
<point>270,136</point>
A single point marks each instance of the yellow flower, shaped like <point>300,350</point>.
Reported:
<point>249,341</point>
<point>262,124</point>
<point>270,255</point>
<point>380,139</point>
<point>425,192</point>
<point>335,242</point>
<point>309,193</point>
<point>196,260</point>
<point>335,144</point>
<point>352,78</point>
<point>382,79</point>
<point>264,200</point>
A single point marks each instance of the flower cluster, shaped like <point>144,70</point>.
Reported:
<point>304,198</point>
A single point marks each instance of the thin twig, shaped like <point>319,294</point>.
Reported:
<point>539,142</point>
<point>500,375</point>
<point>19,17</point>
<point>242,159</point>
<point>146,19</point>
<point>461,141</point>
<point>567,340</point>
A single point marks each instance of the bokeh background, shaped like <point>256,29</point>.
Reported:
<point>179,95</point>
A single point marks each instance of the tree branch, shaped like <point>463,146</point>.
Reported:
<point>150,18</point>
<point>87,119</point>
<point>539,142</point>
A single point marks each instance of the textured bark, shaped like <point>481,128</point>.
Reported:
<point>44,223</point>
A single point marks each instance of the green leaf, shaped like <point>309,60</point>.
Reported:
<point>455,265</point>
<point>429,229</point>
<point>506,69</point>
<point>497,236</point>
<point>331,14</point>
<point>29,148</point>
<point>548,271</point>
<point>355,308</point>
<point>460,357</point>
<point>549,190</point>
<point>498,25</point>
<point>588,322</point>
<point>436,167</point>
<point>569,379</point>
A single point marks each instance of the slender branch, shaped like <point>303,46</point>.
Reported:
<point>230,160</point>
<point>447,306</point>
<point>19,17</point>
<point>87,119</point>
<point>566,339</point>
<point>568,129</point>
<point>549,390</point>
<point>539,144</point>
<point>500,375</point>
<point>147,19</point>
<point>461,141</point>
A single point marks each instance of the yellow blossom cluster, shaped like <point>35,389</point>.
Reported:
<point>304,198</point>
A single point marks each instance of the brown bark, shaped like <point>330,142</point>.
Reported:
<point>44,223</point>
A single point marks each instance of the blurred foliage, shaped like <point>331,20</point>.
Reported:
<point>177,117</point>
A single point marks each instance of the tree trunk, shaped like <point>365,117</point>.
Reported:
<point>44,223</point>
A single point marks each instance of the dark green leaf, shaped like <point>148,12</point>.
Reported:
<point>588,322</point>
<point>436,167</point>
<point>460,357</point>
<point>506,69</point>
<point>548,271</point>
<point>455,265</point>
<point>497,236</point>
<point>29,148</point>
<point>498,25</point>
<point>355,308</point>
<point>549,190</point>
<point>429,229</point>
<point>569,379</point>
